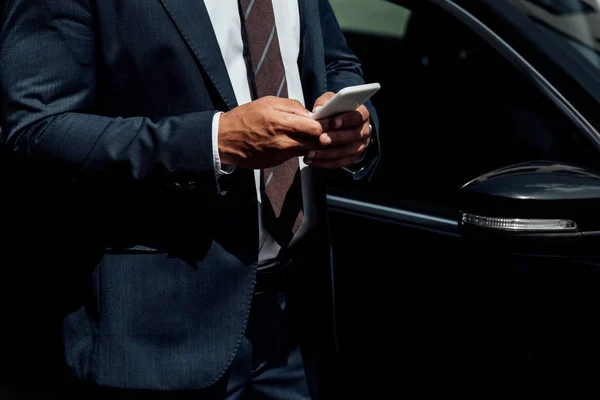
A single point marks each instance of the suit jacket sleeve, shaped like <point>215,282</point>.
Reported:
<point>48,77</point>
<point>343,69</point>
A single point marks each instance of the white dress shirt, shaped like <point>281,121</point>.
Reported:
<point>225,19</point>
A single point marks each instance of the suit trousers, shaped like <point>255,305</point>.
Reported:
<point>269,364</point>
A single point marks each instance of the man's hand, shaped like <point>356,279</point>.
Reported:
<point>345,137</point>
<point>266,132</point>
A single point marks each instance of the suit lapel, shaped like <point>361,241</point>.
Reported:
<point>193,23</point>
<point>312,57</point>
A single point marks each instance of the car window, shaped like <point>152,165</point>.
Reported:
<point>374,17</point>
<point>572,22</point>
<point>451,108</point>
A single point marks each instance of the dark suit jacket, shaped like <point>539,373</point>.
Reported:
<point>108,116</point>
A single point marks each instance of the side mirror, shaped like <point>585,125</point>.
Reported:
<point>536,208</point>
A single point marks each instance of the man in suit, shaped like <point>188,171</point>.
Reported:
<point>170,141</point>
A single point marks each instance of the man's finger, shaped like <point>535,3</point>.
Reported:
<point>300,126</point>
<point>324,98</point>
<point>349,120</point>
<point>325,124</point>
<point>336,153</point>
<point>288,106</point>
<point>344,136</point>
<point>299,144</point>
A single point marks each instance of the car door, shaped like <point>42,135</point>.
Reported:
<point>454,104</point>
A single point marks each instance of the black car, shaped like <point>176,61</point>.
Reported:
<point>470,257</point>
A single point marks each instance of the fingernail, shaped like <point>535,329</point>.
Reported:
<point>311,154</point>
<point>337,123</point>
<point>317,108</point>
<point>327,139</point>
<point>309,114</point>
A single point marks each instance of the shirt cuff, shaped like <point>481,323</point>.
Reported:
<point>219,169</point>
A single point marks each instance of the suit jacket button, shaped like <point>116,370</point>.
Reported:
<point>191,186</point>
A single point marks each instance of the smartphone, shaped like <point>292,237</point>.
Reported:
<point>346,100</point>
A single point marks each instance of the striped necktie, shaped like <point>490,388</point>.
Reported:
<point>282,209</point>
